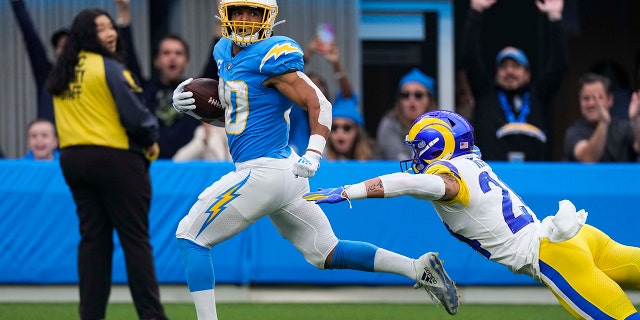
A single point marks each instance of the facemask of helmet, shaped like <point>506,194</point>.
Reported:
<point>244,33</point>
<point>437,135</point>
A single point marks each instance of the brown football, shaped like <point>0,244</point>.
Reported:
<point>208,106</point>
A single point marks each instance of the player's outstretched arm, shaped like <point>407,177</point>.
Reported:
<point>371,188</point>
<point>420,186</point>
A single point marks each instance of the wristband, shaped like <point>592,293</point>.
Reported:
<point>356,191</point>
<point>317,143</point>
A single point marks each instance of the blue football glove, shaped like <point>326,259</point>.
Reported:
<point>331,195</point>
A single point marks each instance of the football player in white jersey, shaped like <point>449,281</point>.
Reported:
<point>583,267</point>
<point>260,79</point>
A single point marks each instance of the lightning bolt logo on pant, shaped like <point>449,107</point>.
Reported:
<point>221,203</point>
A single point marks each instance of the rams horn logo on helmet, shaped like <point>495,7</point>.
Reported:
<point>437,135</point>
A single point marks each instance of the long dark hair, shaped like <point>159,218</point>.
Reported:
<point>83,35</point>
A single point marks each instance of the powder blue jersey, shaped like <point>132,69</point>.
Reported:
<point>257,117</point>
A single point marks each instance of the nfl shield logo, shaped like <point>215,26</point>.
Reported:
<point>464,145</point>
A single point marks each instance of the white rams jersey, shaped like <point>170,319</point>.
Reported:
<point>488,216</point>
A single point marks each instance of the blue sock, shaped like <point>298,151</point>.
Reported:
<point>353,255</point>
<point>197,264</point>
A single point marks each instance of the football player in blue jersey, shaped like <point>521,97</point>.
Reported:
<point>584,268</point>
<point>260,79</point>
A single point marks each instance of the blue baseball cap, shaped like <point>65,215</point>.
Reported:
<point>347,108</point>
<point>512,53</point>
<point>415,75</point>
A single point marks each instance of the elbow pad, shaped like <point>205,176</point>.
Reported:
<point>419,186</point>
<point>324,118</point>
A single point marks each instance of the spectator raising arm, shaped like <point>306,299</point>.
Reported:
<point>40,63</point>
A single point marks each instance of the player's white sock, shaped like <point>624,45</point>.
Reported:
<point>391,262</point>
<point>205,301</point>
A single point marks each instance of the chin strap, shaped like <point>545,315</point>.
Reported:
<point>278,23</point>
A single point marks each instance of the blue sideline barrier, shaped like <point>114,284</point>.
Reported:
<point>40,229</point>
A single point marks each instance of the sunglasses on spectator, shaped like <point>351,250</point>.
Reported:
<point>345,127</point>
<point>417,94</point>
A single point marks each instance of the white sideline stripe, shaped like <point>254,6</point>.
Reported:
<point>264,294</point>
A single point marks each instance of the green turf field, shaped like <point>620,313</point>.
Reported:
<point>291,311</point>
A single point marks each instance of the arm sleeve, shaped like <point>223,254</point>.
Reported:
<point>556,66</point>
<point>140,124</point>
<point>40,64</point>
<point>130,51</point>
<point>419,186</point>
<point>472,56</point>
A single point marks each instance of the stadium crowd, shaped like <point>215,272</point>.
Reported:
<point>510,106</point>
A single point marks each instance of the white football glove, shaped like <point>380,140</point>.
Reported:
<point>307,165</point>
<point>183,101</point>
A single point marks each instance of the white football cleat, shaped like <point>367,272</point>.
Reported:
<point>435,280</point>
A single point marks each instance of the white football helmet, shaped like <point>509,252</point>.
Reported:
<point>244,33</point>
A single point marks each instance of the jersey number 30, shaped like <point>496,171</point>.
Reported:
<point>236,97</point>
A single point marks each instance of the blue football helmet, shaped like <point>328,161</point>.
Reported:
<point>437,135</point>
